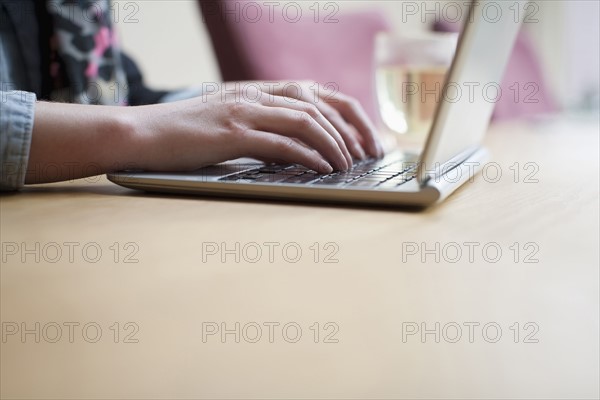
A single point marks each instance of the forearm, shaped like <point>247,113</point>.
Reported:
<point>71,141</point>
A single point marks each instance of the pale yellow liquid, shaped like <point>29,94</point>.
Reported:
<point>406,113</point>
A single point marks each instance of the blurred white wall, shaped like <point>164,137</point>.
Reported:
<point>168,39</point>
<point>582,52</point>
<point>568,39</point>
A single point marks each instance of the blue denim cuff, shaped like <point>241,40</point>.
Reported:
<point>16,124</point>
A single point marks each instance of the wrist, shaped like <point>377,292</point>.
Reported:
<point>130,134</point>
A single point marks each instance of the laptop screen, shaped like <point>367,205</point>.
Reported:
<point>472,87</point>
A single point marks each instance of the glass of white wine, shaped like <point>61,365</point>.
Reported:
<point>410,73</point>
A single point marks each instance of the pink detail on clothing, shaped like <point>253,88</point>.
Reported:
<point>102,38</point>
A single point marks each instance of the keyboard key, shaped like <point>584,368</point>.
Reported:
<point>338,177</point>
<point>243,180</point>
<point>253,175</point>
<point>393,170</point>
<point>304,178</point>
<point>363,183</point>
<point>363,169</point>
<point>293,171</point>
<point>382,175</point>
<point>271,178</point>
<point>230,178</point>
<point>342,179</point>
<point>397,181</point>
<point>348,176</point>
<point>272,169</point>
<point>330,182</point>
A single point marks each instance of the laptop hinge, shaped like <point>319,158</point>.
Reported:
<point>428,172</point>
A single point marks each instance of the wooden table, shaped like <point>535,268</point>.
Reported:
<point>351,303</point>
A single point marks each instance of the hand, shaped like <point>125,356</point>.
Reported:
<point>343,112</point>
<point>321,133</point>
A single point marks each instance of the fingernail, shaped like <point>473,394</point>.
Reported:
<point>349,160</point>
<point>325,167</point>
<point>342,164</point>
<point>379,149</point>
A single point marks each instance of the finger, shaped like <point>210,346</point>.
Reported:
<point>265,145</point>
<point>353,140</point>
<point>301,125</point>
<point>304,104</point>
<point>272,160</point>
<point>357,135</point>
<point>353,112</point>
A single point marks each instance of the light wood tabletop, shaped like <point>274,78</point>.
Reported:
<point>112,293</point>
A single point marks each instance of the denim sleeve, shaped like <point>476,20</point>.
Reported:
<point>16,123</point>
<point>183,94</point>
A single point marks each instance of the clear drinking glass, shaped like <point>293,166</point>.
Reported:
<point>410,74</point>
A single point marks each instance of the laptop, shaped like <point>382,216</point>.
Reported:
<point>452,155</point>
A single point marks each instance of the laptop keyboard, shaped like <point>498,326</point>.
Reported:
<point>370,173</point>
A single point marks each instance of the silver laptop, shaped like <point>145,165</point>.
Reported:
<point>451,157</point>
